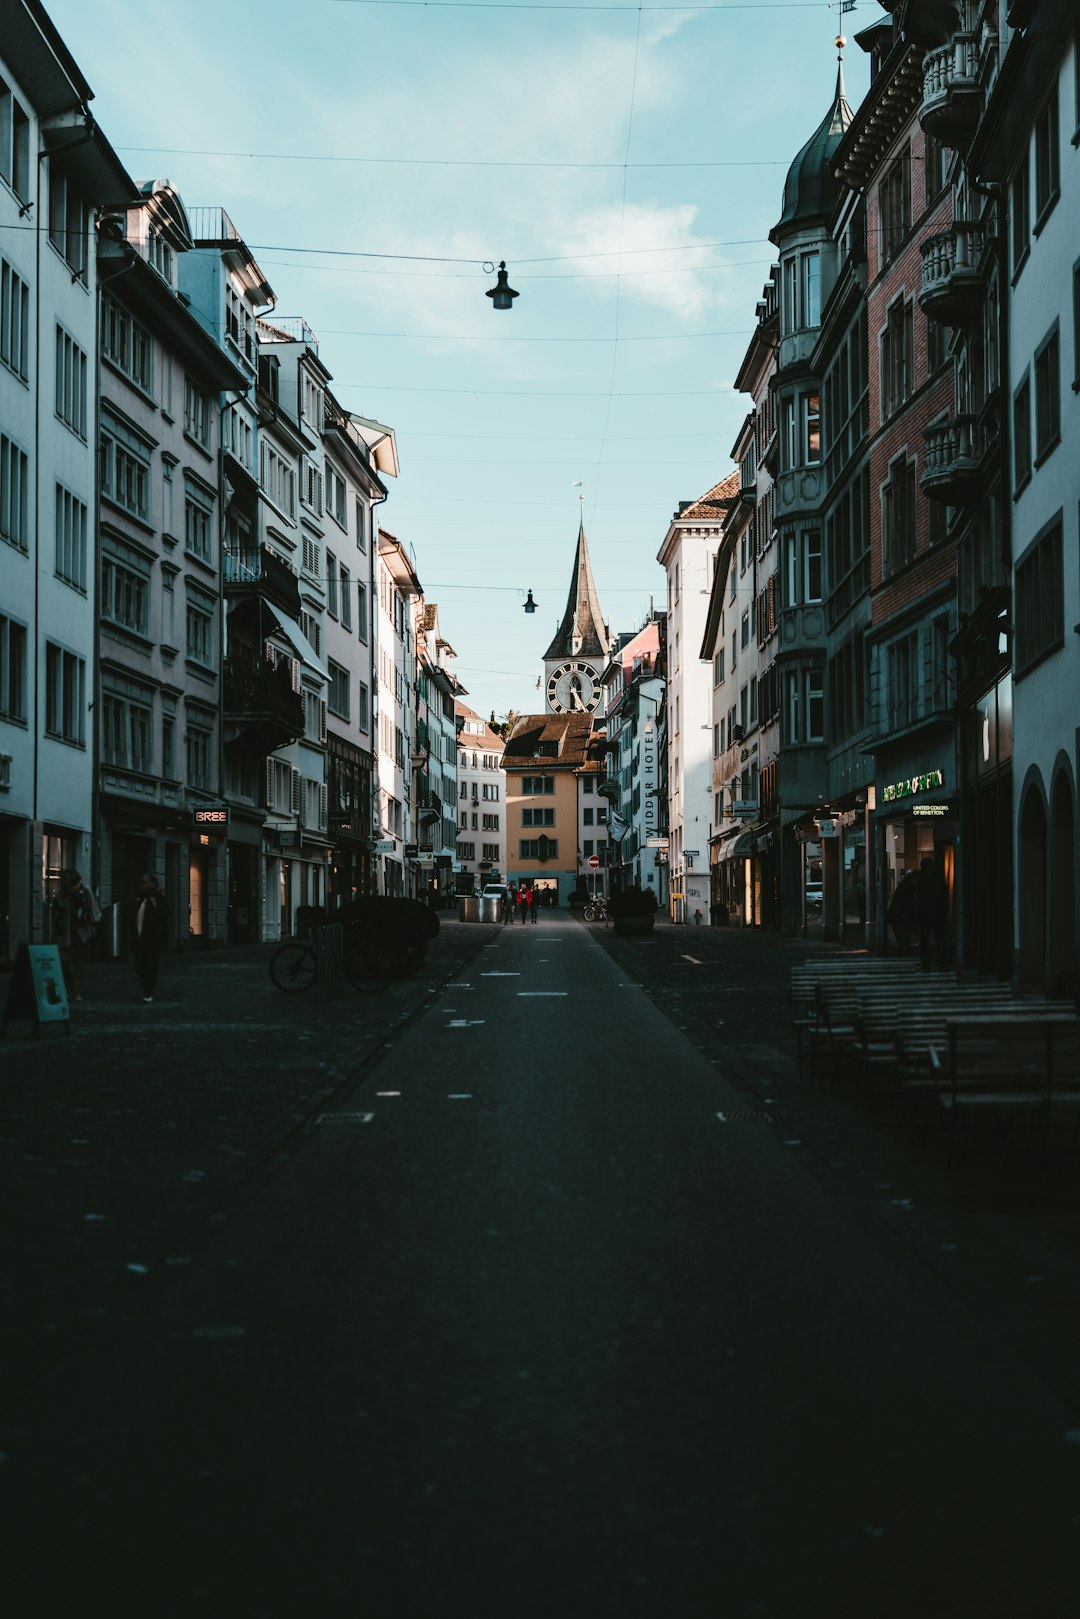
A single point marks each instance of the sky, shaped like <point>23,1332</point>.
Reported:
<point>380,157</point>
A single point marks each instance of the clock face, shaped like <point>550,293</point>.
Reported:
<point>573,688</point>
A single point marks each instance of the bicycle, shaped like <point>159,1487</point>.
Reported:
<point>596,910</point>
<point>370,968</point>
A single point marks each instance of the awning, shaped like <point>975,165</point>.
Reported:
<point>297,639</point>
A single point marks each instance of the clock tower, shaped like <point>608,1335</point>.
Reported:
<point>575,660</point>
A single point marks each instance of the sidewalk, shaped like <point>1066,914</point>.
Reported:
<point>126,1140</point>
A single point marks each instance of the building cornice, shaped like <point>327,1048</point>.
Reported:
<point>891,104</point>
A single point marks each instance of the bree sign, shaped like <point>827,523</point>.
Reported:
<point>218,818</point>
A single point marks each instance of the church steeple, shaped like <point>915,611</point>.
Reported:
<point>582,632</point>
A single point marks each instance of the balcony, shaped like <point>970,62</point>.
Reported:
<point>952,278</point>
<point>953,461</point>
<point>609,788</point>
<point>262,711</point>
<point>257,570</point>
<point>951,95</point>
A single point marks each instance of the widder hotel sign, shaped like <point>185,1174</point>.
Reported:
<point>926,783</point>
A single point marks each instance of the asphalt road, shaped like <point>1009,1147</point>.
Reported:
<point>542,1320</point>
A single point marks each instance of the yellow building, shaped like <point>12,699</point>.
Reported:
<point>553,766</point>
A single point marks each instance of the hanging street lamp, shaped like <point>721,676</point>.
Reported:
<point>502,294</point>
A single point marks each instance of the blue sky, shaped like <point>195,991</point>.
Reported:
<point>627,164</point>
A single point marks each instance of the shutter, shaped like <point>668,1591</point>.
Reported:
<point>270,781</point>
<point>322,806</point>
<point>295,674</point>
<point>322,719</point>
<point>295,792</point>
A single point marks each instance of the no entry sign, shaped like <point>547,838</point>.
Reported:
<point>594,861</point>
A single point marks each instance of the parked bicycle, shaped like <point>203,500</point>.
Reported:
<point>370,968</point>
<point>596,910</point>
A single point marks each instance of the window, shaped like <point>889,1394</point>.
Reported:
<point>311,485</point>
<point>70,556</point>
<point>70,383</point>
<point>160,255</point>
<point>198,522</point>
<point>362,612</point>
<point>490,823</point>
<point>815,705</point>
<point>810,427</point>
<point>196,414</point>
<point>277,480</point>
<point>531,848</point>
<point>346,598</point>
<point>902,665</point>
<point>126,343</point>
<point>361,525</point>
<point>935,167</point>
<point>331,585</point>
<point>314,718</point>
<point>718,667</point>
<point>65,695</point>
<point>1022,435</point>
<point>335,494</point>
<point>14,144</point>
<point>1040,599</point>
<point>14,321</point>
<point>894,205</point>
<point>802,291</point>
<point>936,346</point>
<point>69,220</point>
<point>1020,215</point>
<point>1047,396</point>
<point>898,516</point>
<point>803,571</point>
<point>12,670</point>
<point>338,699</point>
<point>125,591</point>
<point>239,324</point>
<point>125,467</point>
<point>490,851</point>
<point>587,818</point>
<point>466,851</point>
<point>200,630</point>
<point>534,786</point>
<point>237,436</point>
<point>14,481</point>
<point>127,732</point>
<point>1047,159</point>
<point>311,403</point>
<point>897,356</point>
<point>313,804</point>
<point>545,817</point>
<point>199,741</point>
<point>363,707</point>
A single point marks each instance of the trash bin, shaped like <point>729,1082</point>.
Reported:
<point>468,908</point>
<point>489,907</point>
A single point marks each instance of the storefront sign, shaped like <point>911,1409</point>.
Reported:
<point>745,806</point>
<point>384,846</point>
<point>933,812</point>
<point>207,818</point>
<point>412,850</point>
<point>926,783</point>
<point>656,841</point>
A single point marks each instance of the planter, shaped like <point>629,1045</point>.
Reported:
<point>634,926</point>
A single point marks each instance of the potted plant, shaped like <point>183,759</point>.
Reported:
<point>633,909</point>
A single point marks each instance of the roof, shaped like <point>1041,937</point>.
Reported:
<point>811,190</point>
<point>485,739</point>
<point>714,504</point>
<point>573,733</point>
<point>582,629</point>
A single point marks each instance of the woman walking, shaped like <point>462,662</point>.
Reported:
<point>149,934</point>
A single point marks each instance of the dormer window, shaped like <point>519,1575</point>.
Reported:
<point>160,255</point>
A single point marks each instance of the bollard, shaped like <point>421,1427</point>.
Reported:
<point>329,950</point>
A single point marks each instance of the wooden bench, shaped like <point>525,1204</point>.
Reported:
<point>809,978</point>
<point>1018,1066</point>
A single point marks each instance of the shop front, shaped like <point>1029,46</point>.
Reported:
<point>915,818</point>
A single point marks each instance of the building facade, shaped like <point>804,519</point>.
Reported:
<point>481,802</point>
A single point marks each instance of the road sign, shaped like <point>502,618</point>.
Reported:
<point>594,861</point>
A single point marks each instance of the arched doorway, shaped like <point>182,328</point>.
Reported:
<point>1061,934</point>
<point>1031,891</point>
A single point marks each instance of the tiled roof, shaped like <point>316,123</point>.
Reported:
<point>572,732</point>
<point>715,502</point>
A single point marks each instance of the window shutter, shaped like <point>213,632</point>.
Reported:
<point>322,719</point>
<point>322,806</point>
<point>295,792</point>
<point>270,782</point>
<point>295,672</point>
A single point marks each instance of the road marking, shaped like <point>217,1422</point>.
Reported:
<point>387,1093</point>
<point>344,1118</point>
<point>465,1023</point>
<point>694,959</point>
<point>459,1096</point>
<point>500,975</point>
<point>542,994</point>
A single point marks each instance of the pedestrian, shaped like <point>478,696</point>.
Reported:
<point>523,904</point>
<point>933,897</point>
<point>76,917</point>
<point>509,903</point>
<point>149,933</point>
<point>903,913</point>
<point>532,899</point>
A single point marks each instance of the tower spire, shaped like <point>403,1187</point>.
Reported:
<point>582,628</point>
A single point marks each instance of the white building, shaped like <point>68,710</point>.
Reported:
<point>481,801</point>
<point>159,638</point>
<point>634,692</point>
<point>397,590</point>
<point>434,757</point>
<point>688,556</point>
<point>57,175</point>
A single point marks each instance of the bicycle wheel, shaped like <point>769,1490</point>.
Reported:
<point>589,913</point>
<point>369,968</point>
<point>292,967</point>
